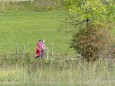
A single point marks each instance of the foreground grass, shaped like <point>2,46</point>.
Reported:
<point>58,84</point>
<point>59,73</point>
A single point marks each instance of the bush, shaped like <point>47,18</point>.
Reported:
<point>92,41</point>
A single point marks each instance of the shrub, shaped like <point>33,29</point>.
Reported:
<point>92,41</point>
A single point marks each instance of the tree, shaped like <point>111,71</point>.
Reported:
<point>96,18</point>
<point>91,10</point>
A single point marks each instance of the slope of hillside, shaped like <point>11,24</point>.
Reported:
<point>26,28</point>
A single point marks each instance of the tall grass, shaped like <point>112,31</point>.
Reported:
<point>58,72</point>
<point>28,5</point>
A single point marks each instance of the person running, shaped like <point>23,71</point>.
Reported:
<point>43,48</point>
<point>39,48</point>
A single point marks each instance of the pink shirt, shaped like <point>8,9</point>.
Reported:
<point>39,46</point>
<point>43,46</point>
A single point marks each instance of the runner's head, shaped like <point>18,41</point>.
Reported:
<point>40,40</point>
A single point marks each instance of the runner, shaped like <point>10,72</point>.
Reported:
<point>39,48</point>
<point>43,48</point>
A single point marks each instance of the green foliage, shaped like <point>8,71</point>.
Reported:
<point>95,10</point>
<point>94,18</point>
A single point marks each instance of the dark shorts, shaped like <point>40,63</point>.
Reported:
<point>39,56</point>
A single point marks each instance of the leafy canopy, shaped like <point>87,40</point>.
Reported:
<point>96,10</point>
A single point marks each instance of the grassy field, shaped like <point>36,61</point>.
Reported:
<point>26,28</point>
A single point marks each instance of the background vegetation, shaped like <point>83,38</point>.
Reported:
<point>96,19</point>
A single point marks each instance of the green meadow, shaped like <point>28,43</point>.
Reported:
<point>26,28</point>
